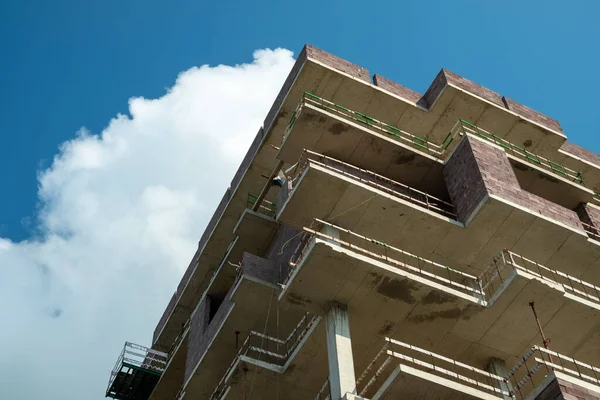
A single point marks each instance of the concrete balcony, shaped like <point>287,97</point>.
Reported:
<point>393,292</point>
<point>404,370</point>
<point>263,358</point>
<point>418,373</point>
<point>245,308</point>
<point>361,200</point>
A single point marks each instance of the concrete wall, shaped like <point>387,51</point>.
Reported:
<point>559,389</point>
<point>477,163</point>
<point>282,195</point>
<point>198,326</point>
<point>282,248</point>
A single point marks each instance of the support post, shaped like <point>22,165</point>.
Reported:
<point>498,367</point>
<point>339,352</point>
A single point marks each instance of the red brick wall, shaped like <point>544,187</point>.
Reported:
<point>396,89</point>
<point>198,326</point>
<point>337,63</point>
<point>475,163</point>
<point>465,183</point>
<point>560,389</point>
<point>582,153</point>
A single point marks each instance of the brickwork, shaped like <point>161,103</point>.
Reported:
<point>464,181</point>
<point>433,91</point>
<point>582,153</point>
<point>472,87</point>
<point>282,248</point>
<point>198,326</point>
<point>498,179</point>
<point>198,347</point>
<point>560,389</point>
<point>282,195</point>
<point>532,115</point>
<point>396,89</point>
<point>337,63</point>
<point>194,263</point>
<point>260,268</point>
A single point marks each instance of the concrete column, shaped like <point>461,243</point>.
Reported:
<point>498,367</point>
<point>339,352</point>
<point>333,232</point>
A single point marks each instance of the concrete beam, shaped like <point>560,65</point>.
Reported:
<point>339,352</point>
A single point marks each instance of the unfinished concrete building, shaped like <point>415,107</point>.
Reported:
<point>376,243</point>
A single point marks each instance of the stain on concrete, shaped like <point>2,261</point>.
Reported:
<point>521,167</point>
<point>452,313</point>
<point>437,297</point>
<point>338,128</point>
<point>548,178</point>
<point>290,368</point>
<point>322,120</point>
<point>399,290</point>
<point>470,311</point>
<point>298,300</point>
<point>387,328</point>
<point>527,143</point>
<point>404,158</point>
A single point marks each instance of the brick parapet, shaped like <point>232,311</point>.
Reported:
<point>477,169</point>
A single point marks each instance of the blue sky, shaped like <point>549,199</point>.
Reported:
<point>68,64</point>
<point>97,229</point>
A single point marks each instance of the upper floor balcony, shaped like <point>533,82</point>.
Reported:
<point>394,292</point>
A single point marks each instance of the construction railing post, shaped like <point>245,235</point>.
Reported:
<point>339,352</point>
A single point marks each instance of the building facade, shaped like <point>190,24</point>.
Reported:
<point>376,243</point>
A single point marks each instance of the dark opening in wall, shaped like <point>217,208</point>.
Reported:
<point>215,303</point>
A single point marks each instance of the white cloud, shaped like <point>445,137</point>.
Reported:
<point>121,216</point>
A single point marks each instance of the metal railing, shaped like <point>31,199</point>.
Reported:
<point>266,207</point>
<point>523,374</point>
<point>394,352</point>
<point>325,392</point>
<point>363,120</point>
<point>136,356</point>
<point>268,349</point>
<point>591,230</point>
<point>405,192</point>
<point>440,151</point>
<point>392,256</point>
<point>505,263</point>
<point>462,127</point>
<point>519,382</point>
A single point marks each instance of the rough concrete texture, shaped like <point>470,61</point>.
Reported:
<point>560,389</point>
<point>198,325</point>
<point>282,195</point>
<point>497,176</point>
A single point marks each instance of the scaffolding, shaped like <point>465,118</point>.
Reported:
<point>136,372</point>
